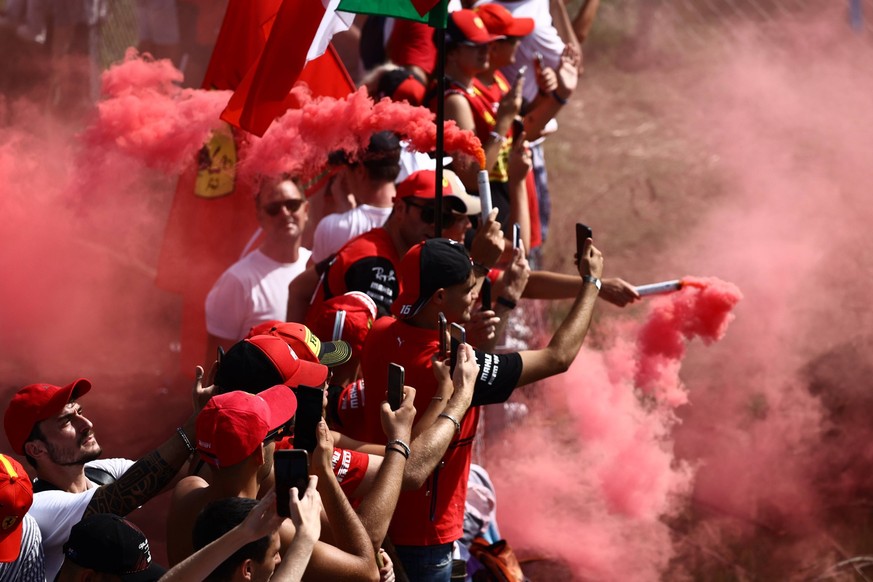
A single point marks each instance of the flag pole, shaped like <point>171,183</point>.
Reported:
<point>440,26</point>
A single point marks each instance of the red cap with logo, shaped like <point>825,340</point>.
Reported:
<point>16,497</point>
<point>422,184</point>
<point>348,317</point>
<point>231,426</point>
<point>307,345</point>
<point>499,20</point>
<point>35,403</point>
<point>465,26</point>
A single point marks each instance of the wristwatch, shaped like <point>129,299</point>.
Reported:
<point>594,280</point>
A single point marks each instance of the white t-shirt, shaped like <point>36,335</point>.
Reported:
<point>335,230</point>
<point>253,290</point>
<point>57,512</point>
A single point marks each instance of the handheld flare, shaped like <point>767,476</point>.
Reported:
<point>657,288</point>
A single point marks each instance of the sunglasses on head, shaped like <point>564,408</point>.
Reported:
<point>428,213</point>
<point>274,208</point>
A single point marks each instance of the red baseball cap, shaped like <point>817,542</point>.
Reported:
<point>433,264</point>
<point>422,184</point>
<point>231,426</point>
<point>261,361</point>
<point>358,314</point>
<point>466,27</point>
<point>499,20</point>
<point>307,345</point>
<point>16,497</point>
<point>35,403</point>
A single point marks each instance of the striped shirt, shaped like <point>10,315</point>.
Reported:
<point>30,564</point>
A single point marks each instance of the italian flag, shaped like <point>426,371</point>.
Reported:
<point>418,10</point>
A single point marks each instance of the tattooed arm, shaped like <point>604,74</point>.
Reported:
<point>152,473</point>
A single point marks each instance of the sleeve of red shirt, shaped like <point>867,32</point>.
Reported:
<point>349,467</point>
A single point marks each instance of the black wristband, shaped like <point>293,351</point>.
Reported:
<point>508,303</point>
<point>558,98</point>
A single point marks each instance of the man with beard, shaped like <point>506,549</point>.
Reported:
<point>45,423</point>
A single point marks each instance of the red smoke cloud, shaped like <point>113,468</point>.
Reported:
<point>594,462</point>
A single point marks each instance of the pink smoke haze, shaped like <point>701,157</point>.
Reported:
<point>145,115</point>
<point>300,140</point>
<point>776,429</point>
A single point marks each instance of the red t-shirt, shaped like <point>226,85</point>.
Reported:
<point>367,263</point>
<point>411,43</point>
<point>433,514</point>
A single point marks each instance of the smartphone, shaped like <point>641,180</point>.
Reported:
<point>484,195</point>
<point>582,232</point>
<point>396,379</point>
<point>459,333</point>
<point>291,469</point>
<point>538,58</point>
<point>219,356</point>
<point>310,403</point>
<point>338,323</point>
<point>485,294</point>
<point>522,71</point>
<point>444,348</point>
<point>516,128</point>
<point>516,235</point>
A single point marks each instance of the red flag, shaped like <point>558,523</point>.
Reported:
<point>262,96</point>
<point>243,35</point>
<point>206,232</point>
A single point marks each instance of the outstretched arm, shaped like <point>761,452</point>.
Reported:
<point>155,471</point>
<point>565,344</point>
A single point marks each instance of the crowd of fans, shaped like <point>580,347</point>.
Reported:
<point>300,329</point>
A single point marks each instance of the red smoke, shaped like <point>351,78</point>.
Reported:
<point>594,462</point>
<point>300,140</point>
<point>701,309</point>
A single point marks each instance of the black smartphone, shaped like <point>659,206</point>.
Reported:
<point>291,469</point>
<point>485,294</point>
<point>310,402</point>
<point>582,232</point>
<point>516,235</point>
<point>516,128</point>
<point>444,348</point>
<point>219,356</point>
<point>538,58</point>
<point>396,379</point>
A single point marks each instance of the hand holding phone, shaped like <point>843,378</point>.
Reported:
<point>310,404</point>
<point>459,333</point>
<point>291,469</point>
<point>485,294</point>
<point>583,232</point>
<point>396,380</point>
<point>444,348</point>
<point>516,235</point>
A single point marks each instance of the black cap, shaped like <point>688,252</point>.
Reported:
<point>112,545</point>
<point>246,367</point>
<point>436,263</point>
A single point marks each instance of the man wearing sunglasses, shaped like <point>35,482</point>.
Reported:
<point>368,263</point>
<point>255,288</point>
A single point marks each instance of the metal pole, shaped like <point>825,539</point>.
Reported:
<point>442,7</point>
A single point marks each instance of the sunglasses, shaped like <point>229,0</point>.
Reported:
<point>285,430</point>
<point>274,208</point>
<point>428,213</point>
